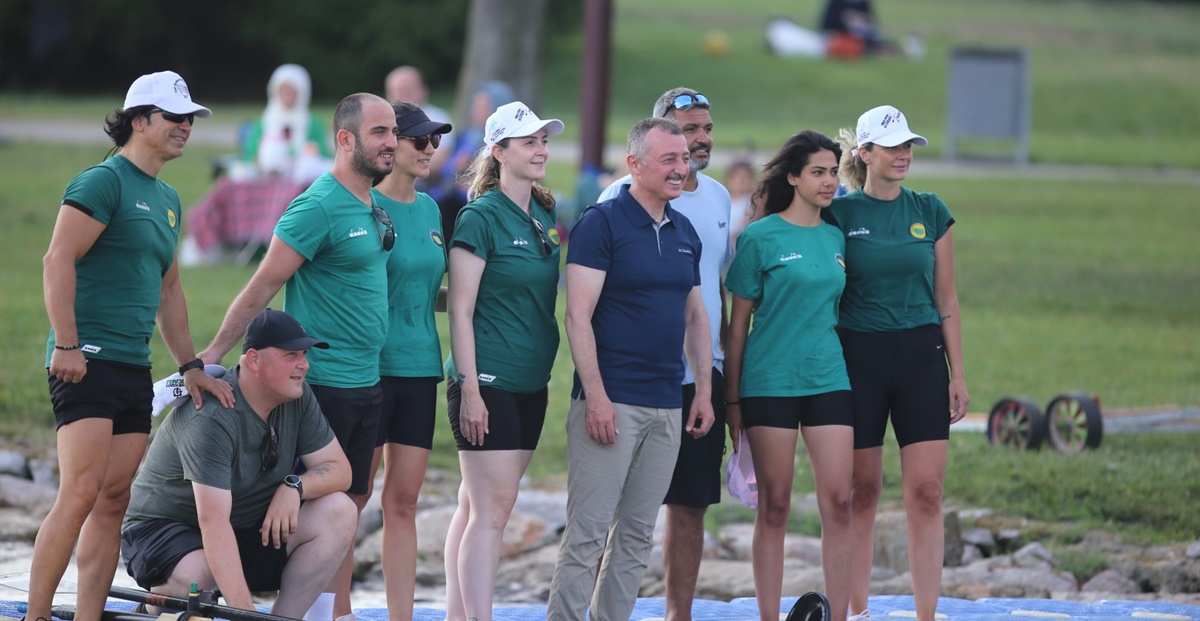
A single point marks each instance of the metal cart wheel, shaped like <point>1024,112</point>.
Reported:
<point>1016,422</point>
<point>1074,422</point>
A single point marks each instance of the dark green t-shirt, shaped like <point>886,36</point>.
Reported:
<point>516,331</point>
<point>795,275</point>
<point>118,281</point>
<point>221,448</point>
<point>889,259</point>
<point>339,294</point>
<point>414,272</point>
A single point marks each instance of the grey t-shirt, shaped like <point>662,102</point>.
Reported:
<point>222,448</point>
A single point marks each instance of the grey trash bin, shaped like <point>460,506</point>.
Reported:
<point>989,97</point>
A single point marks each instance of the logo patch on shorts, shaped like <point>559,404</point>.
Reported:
<point>484,377</point>
<point>917,230</point>
<point>90,349</point>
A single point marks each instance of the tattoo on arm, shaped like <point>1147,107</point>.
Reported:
<point>321,469</point>
<point>945,317</point>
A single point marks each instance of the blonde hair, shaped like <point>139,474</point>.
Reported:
<point>852,170</point>
<point>484,175</point>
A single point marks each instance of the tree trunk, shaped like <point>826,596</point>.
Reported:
<point>504,42</point>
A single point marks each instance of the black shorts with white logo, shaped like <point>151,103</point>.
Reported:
<point>117,391</point>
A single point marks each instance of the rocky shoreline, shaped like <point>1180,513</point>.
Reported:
<point>986,555</point>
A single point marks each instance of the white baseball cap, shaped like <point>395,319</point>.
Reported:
<point>164,90</point>
<point>886,127</point>
<point>514,120</point>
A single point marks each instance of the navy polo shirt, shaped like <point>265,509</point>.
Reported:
<point>639,319</point>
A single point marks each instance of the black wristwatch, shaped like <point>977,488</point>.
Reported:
<point>295,483</point>
<point>188,366</point>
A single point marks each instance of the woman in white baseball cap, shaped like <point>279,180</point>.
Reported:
<point>900,328</point>
<point>504,270</point>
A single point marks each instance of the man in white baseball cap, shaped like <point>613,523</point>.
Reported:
<point>110,277</point>
<point>166,91</point>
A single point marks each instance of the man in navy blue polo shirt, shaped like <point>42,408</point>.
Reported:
<point>633,299</point>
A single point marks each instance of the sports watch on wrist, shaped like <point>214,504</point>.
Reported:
<point>295,483</point>
<point>188,366</point>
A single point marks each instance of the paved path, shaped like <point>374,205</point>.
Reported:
<point>224,134</point>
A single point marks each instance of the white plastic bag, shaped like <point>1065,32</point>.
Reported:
<point>739,474</point>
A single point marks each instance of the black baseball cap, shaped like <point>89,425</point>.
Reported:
<point>416,123</point>
<point>272,328</point>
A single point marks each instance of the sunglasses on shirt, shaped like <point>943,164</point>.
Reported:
<point>388,233</point>
<point>545,246</point>
<point>269,449</point>
<point>172,117</point>
<point>420,142</point>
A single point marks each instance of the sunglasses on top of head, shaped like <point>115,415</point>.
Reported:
<point>683,102</point>
<point>388,233</point>
<point>420,142</point>
<point>172,117</point>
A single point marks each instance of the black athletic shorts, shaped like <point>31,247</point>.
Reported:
<point>151,550</point>
<point>904,373</point>
<point>114,390</point>
<point>826,408</point>
<point>409,411</point>
<point>697,478</point>
<point>353,414</point>
<point>515,419</point>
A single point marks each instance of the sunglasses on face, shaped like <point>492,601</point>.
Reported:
<point>420,142</point>
<point>269,450</point>
<point>683,102</point>
<point>172,117</point>
<point>388,233</point>
<point>545,247</point>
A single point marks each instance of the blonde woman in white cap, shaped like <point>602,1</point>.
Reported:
<point>109,275</point>
<point>504,265</point>
<point>900,329</point>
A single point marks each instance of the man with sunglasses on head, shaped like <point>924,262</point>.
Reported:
<point>216,502</point>
<point>696,483</point>
<point>330,248</point>
<point>110,276</point>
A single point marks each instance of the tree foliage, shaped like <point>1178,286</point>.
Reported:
<point>228,47</point>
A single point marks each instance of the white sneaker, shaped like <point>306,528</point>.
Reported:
<point>347,617</point>
<point>865,615</point>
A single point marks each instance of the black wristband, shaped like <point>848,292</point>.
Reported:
<point>188,366</point>
<point>66,347</point>
<point>733,403</point>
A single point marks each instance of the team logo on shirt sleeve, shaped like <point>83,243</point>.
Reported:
<point>171,218</point>
<point>917,230</point>
<point>552,235</point>
<point>436,236</point>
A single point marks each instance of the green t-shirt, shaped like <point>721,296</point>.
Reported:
<point>516,331</point>
<point>221,448</point>
<point>119,280</point>
<point>339,294</point>
<point>414,272</point>
<point>889,259</point>
<point>795,275</point>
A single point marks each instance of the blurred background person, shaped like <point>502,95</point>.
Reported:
<point>405,83</point>
<point>739,180</point>
<point>288,140</point>
<point>851,29</point>
<point>452,194</point>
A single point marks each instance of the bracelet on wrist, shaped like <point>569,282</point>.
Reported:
<point>66,347</point>
<point>733,403</point>
<point>188,366</point>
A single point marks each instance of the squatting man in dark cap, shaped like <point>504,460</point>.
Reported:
<point>217,501</point>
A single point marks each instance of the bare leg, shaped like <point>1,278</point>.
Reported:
<point>340,584</point>
<point>85,452</point>
<point>868,481</point>
<point>404,474</point>
<point>773,450</point>
<point>683,545</point>
<point>491,479</point>
<point>831,453</point>
<point>455,609</point>
<point>327,527</point>
<point>923,470</point>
